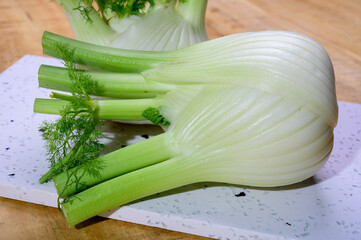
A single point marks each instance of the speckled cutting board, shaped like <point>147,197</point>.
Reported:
<point>327,206</point>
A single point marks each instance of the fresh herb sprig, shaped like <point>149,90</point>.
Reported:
<point>124,8</point>
<point>85,11</point>
<point>121,8</point>
<point>153,115</point>
<point>73,139</point>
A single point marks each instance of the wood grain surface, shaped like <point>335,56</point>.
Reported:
<point>336,24</point>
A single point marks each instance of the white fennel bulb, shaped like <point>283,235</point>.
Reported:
<point>256,109</point>
<point>154,25</point>
<point>268,119</point>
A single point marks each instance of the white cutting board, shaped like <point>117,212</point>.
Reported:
<point>327,206</point>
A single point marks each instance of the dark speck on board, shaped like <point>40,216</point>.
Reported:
<point>145,136</point>
<point>11,175</point>
<point>241,194</point>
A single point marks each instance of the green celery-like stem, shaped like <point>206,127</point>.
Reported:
<point>109,109</point>
<point>126,110</point>
<point>91,28</point>
<point>193,11</point>
<point>106,58</point>
<point>64,97</point>
<point>154,150</point>
<point>49,106</point>
<point>110,84</point>
<point>118,191</point>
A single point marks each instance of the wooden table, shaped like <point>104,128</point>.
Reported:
<point>336,24</point>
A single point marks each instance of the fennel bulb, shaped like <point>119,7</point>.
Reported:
<point>254,109</point>
<point>144,25</point>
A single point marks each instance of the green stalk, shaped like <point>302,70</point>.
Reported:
<point>109,109</point>
<point>110,84</point>
<point>154,150</point>
<point>49,106</point>
<point>64,97</point>
<point>89,27</point>
<point>118,191</point>
<point>190,10</point>
<point>105,58</point>
<point>126,110</point>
